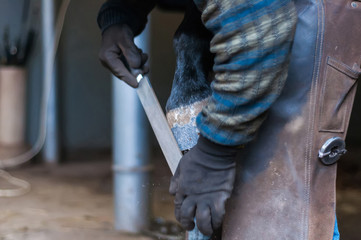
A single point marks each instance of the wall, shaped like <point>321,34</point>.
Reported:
<point>84,84</point>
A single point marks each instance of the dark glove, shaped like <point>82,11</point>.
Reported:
<point>202,183</point>
<point>119,54</point>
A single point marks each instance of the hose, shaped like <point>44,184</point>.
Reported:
<point>23,186</point>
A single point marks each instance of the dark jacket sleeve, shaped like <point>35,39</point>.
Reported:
<point>131,12</point>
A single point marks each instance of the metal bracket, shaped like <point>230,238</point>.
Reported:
<point>332,150</point>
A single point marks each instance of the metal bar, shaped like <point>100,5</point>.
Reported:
<point>50,151</point>
<point>130,156</point>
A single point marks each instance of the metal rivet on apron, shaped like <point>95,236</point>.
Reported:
<point>332,150</point>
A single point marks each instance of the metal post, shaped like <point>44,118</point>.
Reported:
<point>51,146</point>
<point>130,155</point>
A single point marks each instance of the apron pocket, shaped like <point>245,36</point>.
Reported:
<point>338,92</point>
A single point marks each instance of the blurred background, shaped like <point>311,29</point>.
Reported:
<point>71,180</point>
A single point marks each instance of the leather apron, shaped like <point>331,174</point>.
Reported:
<point>285,186</point>
<point>285,189</point>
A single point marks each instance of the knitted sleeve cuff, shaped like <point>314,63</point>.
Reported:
<point>111,14</point>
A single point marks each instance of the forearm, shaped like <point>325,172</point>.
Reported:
<point>131,12</point>
<point>251,43</point>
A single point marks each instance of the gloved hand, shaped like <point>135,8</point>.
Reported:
<point>202,183</point>
<point>119,54</point>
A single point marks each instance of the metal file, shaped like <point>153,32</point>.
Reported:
<point>159,123</point>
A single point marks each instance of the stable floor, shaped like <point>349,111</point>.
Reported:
<point>71,201</point>
<point>74,201</point>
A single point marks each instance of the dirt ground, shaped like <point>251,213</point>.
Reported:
<point>74,201</point>
<point>70,201</point>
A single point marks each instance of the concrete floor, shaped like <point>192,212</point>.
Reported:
<point>74,201</point>
<point>71,201</point>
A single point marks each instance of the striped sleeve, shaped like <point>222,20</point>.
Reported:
<point>252,42</point>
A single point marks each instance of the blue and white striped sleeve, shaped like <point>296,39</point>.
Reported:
<point>252,42</point>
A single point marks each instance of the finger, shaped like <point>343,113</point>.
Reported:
<point>177,214</point>
<point>144,58</point>
<point>112,61</point>
<point>178,201</point>
<point>145,63</point>
<point>136,72</point>
<point>187,213</point>
<point>173,187</point>
<point>120,71</point>
<point>218,210</point>
<point>179,198</point>
<point>131,52</point>
<point>203,219</point>
<point>145,68</point>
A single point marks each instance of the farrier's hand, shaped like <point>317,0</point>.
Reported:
<point>118,53</point>
<point>202,183</point>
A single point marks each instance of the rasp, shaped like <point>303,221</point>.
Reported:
<point>158,122</point>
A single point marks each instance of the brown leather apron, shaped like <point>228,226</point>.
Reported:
<point>285,189</point>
